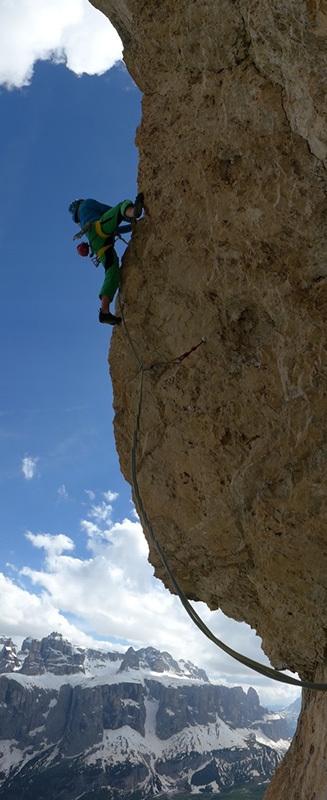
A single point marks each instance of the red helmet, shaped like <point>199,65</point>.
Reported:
<point>83,249</point>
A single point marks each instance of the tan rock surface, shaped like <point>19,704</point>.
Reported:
<point>232,460</point>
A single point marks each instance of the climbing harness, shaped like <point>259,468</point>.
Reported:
<point>268,672</point>
<point>85,249</point>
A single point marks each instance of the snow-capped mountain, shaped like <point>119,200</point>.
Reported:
<point>290,715</point>
<point>91,724</point>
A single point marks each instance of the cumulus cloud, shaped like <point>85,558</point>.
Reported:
<point>112,595</point>
<point>53,545</point>
<point>69,31</point>
<point>25,613</point>
<point>29,467</point>
<point>109,496</point>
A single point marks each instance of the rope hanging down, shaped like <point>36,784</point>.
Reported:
<point>268,672</point>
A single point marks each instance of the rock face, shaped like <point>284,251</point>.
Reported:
<point>128,727</point>
<point>51,654</point>
<point>232,453</point>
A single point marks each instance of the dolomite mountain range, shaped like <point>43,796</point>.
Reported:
<point>78,723</point>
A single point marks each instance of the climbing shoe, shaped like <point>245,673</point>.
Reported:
<point>138,205</point>
<point>109,318</point>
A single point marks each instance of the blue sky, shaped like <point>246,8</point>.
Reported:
<point>56,399</point>
<point>72,554</point>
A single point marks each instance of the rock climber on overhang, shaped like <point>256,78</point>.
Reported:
<point>101,224</point>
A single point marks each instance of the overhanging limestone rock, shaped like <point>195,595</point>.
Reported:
<point>232,459</point>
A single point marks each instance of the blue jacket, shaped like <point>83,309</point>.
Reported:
<point>91,210</point>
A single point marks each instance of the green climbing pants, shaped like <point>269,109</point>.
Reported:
<point>101,237</point>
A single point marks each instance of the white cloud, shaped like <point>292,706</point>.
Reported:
<point>62,493</point>
<point>70,31</point>
<point>24,613</point>
<point>53,545</point>
<point>28,467</point>
<point>112,595</point>
<point>110,496</point>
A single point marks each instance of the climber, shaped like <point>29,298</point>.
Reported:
<point>101,223</point>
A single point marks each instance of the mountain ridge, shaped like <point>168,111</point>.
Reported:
<point>135,724</point>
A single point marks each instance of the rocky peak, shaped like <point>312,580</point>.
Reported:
<point>52,654</point>
<point>149,658</point>
<point>9,661</point>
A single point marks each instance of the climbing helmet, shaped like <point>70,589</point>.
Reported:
<point>73,208</point>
